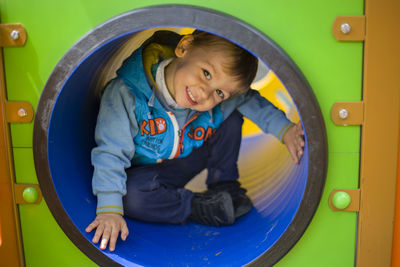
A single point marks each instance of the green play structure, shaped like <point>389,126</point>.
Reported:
<point>302,29</point>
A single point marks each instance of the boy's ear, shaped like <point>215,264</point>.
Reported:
<point>184,45</point>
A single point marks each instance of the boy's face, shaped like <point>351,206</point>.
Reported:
<point>196,78</point>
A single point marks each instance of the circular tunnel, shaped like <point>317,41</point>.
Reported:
<point>285,195</point>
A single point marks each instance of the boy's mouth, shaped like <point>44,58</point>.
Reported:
<point>190,97</point>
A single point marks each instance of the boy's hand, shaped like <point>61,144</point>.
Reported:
<point>294,140</point>
<point>108,225</point>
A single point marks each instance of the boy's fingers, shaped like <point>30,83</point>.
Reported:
<point>293,153</point>
<point>300,140</point>
<point>124,232</point>
<point>99,232</point>
<point>91,226</point>
<point>300,130</point>
<point>106,237</point>
<point>113,238</point>
<point>299,153</point>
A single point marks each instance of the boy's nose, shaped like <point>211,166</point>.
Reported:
<point>205,92</point>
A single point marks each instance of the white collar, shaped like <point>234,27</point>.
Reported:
<point>162,86</point>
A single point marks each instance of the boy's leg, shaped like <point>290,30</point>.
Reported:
<point>222,164</point>
<point>152,197</point>
<point>156,193</point>
<point>224,149</point>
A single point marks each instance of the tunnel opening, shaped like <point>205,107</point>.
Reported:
<point>285,195</point>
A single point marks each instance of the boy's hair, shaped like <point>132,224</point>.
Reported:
<point>241,64</point>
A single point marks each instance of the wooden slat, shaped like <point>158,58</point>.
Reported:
<point>380,132</point>
<point>11,253</point>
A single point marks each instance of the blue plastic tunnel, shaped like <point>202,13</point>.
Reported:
<point>285,195</point>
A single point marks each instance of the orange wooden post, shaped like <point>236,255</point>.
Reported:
<point>396,232</point>
<point>1,237</point>
<point>11,253</point>
<point>380,134</point>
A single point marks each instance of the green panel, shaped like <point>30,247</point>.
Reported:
<point>331,237</point>
<point>24,166</point>
<point>302,28</point>
<point>45,244</point>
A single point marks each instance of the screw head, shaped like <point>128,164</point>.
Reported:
<point>345,28</point>
<point>22,113</point>
<point>14,34</point>
<point>343,113</point>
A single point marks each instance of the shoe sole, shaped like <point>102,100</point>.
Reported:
<point>244,207</point>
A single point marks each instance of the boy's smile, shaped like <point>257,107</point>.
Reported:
<point>196,78</point>
<point>191,98</point>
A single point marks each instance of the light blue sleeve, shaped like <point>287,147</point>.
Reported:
<point>260,111</point>
<point>115,129</point>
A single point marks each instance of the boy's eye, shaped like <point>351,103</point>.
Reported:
<point>220,93</point>
<point>207,74</point>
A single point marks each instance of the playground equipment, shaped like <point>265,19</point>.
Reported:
<point>285,203</point>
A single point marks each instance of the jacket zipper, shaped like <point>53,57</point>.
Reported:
<point>181,134</point>
<point>178,137</point>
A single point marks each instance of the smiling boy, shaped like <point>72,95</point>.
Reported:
<point>175,109</point>
<point>197,78</point>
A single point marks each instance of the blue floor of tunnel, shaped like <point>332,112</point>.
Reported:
<point>155,244</point>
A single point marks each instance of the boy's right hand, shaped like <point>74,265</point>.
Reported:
<point>294,141</point>
<point>108,227</point>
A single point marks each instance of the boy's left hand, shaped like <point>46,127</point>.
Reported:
<point>294,141</point>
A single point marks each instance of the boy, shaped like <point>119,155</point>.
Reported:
<point>175,109</point>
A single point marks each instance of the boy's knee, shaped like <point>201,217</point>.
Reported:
<point>234,121</point>
<point>236,118</point>
<point>157,203</point>
<point>232,125</point>
<point>140,195</point>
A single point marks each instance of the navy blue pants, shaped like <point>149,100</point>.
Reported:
<point>156,192</point>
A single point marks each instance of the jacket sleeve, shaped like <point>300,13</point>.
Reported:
<point>115,129</point>
<point>260,111</point>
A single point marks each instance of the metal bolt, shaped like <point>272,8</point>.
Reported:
<point>343,113</point>
<point>345,28</point>
<point>14,34</point>
<point>22,113</point>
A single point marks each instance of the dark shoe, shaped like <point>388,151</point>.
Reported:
<point>241,202</point>
<point>212,208</point>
